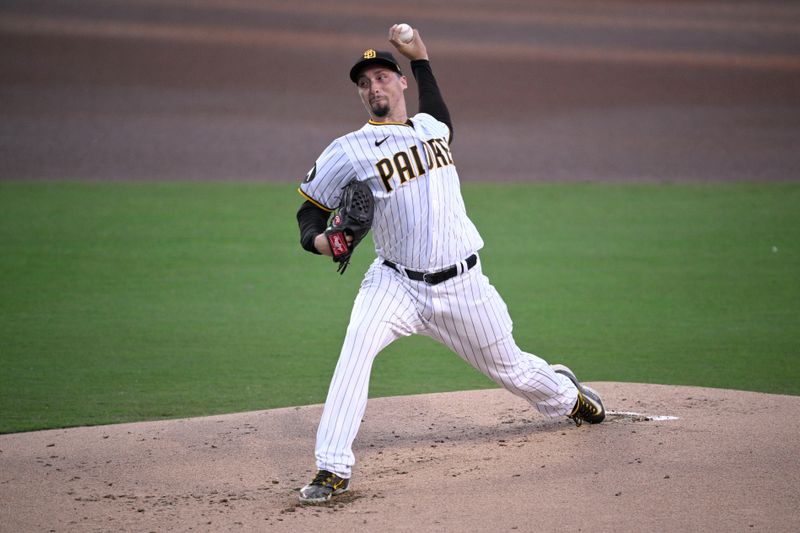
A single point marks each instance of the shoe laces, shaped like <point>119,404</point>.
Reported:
<point>583,411</point>
<point>323,478</point>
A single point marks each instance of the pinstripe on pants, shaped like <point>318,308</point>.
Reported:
<point>465,313</point>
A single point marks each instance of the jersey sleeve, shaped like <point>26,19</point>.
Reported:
<point>437,127</point>
<point>324,182</point>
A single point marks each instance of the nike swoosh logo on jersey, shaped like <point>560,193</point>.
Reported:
<point>378,143</point>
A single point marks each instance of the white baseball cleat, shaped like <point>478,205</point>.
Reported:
<point>589,407</point>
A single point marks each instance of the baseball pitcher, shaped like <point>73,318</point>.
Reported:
<point>397,177</point>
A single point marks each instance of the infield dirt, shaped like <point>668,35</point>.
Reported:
<point>468,461</point>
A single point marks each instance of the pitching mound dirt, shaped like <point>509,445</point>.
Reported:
<point>470,461</point>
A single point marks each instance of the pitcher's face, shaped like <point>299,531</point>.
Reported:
<point>381,91</point>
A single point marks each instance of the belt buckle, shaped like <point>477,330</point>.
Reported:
<point>427,277</point>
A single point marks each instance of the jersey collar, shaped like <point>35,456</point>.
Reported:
<point>406,123</point>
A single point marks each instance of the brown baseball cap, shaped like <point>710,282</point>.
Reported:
<point>374,57</point>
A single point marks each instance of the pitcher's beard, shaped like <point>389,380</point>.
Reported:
<point>380,110</point>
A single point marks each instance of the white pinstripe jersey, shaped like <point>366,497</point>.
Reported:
<point>420,219</point>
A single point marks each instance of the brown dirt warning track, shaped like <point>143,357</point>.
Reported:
<point>467,461</point>
<point>538,89</point>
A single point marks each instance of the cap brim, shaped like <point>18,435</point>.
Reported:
<point>355,72</point>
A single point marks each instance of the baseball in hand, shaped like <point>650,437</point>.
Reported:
<point>406,33</point>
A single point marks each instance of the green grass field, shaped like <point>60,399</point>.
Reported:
<point>134,301</point>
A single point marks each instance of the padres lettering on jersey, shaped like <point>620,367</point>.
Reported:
<point>420,218</point>
<point>437,153</point>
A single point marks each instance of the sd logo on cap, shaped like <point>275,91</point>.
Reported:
<point>374,57</point>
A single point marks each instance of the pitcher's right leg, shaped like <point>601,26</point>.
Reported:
<point>382,312</point>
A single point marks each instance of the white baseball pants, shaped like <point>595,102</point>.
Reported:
<point>465,313</point>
